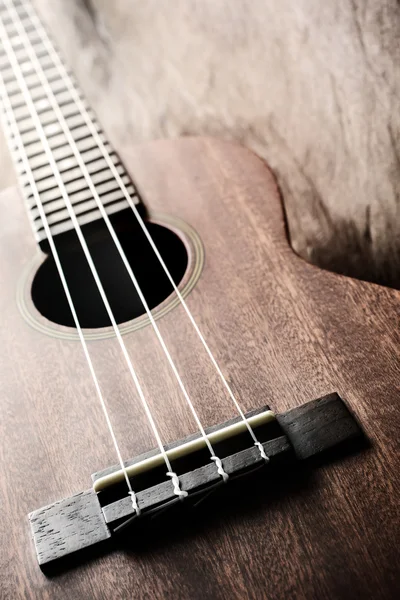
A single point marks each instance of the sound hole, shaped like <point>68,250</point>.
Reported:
<point>48,294</point>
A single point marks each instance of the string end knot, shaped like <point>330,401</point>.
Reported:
<point>220,468</point>
<point>177,487</point>
<point>262,451</point>
<point>135,504</point>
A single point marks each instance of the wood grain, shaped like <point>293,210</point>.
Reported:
<point>282,331</point>
<point>87,519</point>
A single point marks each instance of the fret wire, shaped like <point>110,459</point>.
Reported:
<point>82,220</point>
<point>58,143</point>
<point>65,153</point>
<point>57,205</point>
<point>88,208</point>
<point>71,174</point>
<point>45,188</point>
<point>51,196</point>
<point>81,142</point>
<point>47,117</point>
<point>68,163</point>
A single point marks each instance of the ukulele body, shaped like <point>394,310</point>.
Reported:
<point>283,331</point>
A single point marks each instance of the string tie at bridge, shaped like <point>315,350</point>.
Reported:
<point>220,468</point>
<point>135,504</point>
<point>177,486</point>
<point>262,452</point>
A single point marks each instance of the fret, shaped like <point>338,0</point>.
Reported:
<point>82,195</point>
<point>55,138</point>
<point>46,118</point>
<point>9,75</point>
<point>17,42</point>
<point>42,103</point>
<point>29,138</point>
<point>21,113</point>
<point>86,198</point>
<point>32,80</point>
<point>75,121</point>
<point>86,147</point>
<point>58,90</point>
<point>47,181</point>
<point>77,185</point>
<point>33,150</point>
<point>94,163</point>
<point>46,113</point>
<point>83,208</point>
<point>46,171</point>
<point>21,55</point>
<point>34,85</point>
<point>36,150</point>
<point>9,23</point>
<point>82,220</point>
<point>37,94</point>
<point>57,87</point>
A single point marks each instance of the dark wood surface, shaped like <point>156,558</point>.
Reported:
<point>283,332</point>
<point>82,521</point>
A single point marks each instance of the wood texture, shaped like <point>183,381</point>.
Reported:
<point>311,86</point>
<point>82,521</point>
<point>319,426</point>
<point>75,523</point>
<point>312,429</point>
<point>68,526</point>
<point>283,332</point>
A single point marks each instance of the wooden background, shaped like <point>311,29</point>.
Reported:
<point>313,87</point>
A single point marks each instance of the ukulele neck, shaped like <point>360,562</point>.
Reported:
<point>56,142</point>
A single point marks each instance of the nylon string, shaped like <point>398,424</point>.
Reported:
<point>82,165</point>
<point>10,122</point>
<point>89,122</point>
<point>28,100</point>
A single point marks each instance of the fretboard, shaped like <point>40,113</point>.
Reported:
<point>40,99</point>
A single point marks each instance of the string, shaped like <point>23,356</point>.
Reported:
<point>11,123</point>
<point>89,122</point>
<point>56,173</point>
<point>62,121</point>
<point>157,511</point>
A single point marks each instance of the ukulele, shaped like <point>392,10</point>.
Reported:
<point>188,409</point>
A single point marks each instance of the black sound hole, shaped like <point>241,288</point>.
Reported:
<point>48,294</point>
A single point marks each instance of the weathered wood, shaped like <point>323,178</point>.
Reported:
<point>319,426</point>
<point>68,526</point>
<point>281,330</point>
